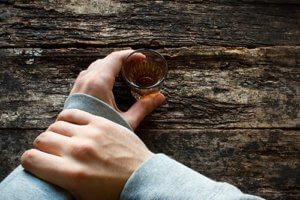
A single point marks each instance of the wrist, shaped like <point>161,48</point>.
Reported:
<point>146,155</point>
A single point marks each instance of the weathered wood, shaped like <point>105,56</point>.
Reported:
<point>81,23</point>
<point>263,162</point>
<point>233,108</point>
<point>206,87</point>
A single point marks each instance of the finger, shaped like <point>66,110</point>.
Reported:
<point>142,108</point>
<point>136,57</point>
<point>75,116</point>
<point>46,166</point>
<point>113,62</point>
<point>64,128</point>
<point>51,142</point>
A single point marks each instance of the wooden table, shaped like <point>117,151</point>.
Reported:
<point>233,87</point>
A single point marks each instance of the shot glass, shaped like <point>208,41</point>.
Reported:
<point>144,71</point>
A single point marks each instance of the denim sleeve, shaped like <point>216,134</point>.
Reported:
<point>22,185</point>
<point>161,177</point>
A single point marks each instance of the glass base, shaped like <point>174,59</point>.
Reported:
<point>139,95</point>
<point>136,95</point>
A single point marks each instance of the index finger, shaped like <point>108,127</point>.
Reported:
<point>75,116</point>
<point>113,62</point>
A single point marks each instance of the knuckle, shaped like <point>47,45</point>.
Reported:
<point>28,157</point>
<point>97,134</point>
<point>67,114</point>
<point>37,142</point>
<point>40,140</point>
<point>81,80</point>
<point>82,150</point>
<point>54,126</point>
<point>113,54</point>
<point>96,62</point>
<point>82,73</point>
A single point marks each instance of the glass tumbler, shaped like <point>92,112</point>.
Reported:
<point>144,71</point>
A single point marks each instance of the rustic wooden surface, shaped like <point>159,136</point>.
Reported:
<point>233,108</point>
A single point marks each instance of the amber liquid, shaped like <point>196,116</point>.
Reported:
<point>145,81</point>
<point>144,75</point>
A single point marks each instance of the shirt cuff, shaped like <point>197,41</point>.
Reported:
<point>163,177</point>
<point>95,106</point>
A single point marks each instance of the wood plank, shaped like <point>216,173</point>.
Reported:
<point>81,23</point>
<point>264,162</point>
<point>207,87</point>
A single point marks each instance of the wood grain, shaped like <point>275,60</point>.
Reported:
<point>263,162</point>
<point>81,23</point>
<point>206,87</point>
<point>233,107</point>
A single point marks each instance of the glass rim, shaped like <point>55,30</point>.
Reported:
<point>160,81</point>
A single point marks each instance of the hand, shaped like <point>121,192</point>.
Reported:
<point>98,81</point>
<point>87,155</point>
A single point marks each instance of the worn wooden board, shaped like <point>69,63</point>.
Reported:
<point>81,23</point>
<point>233,108</point>
<point>206,87</point>
<point>264,162</point>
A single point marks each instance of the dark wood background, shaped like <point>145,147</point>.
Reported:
<point>233,87</point>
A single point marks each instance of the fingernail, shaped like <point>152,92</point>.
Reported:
<point>159,99</point>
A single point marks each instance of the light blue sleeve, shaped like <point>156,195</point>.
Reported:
<point>157,178</point>
<point>161,177</point>
<point>21,185</point>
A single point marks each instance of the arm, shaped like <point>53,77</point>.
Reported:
<point>114,163</point>
<point>142,175</point>
<point>85,95</point>
<point>164,178</point>
<point>22,185</point>
<point>161,177</point>
<point>157,178</point>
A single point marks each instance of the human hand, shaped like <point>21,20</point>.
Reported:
<point>87,155</point>
<point>98,80</point>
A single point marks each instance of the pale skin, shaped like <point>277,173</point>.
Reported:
<point>87,155</point>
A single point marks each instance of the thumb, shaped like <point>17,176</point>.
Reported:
<point>142,108</point>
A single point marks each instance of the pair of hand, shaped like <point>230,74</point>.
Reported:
<point>90,156</point>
